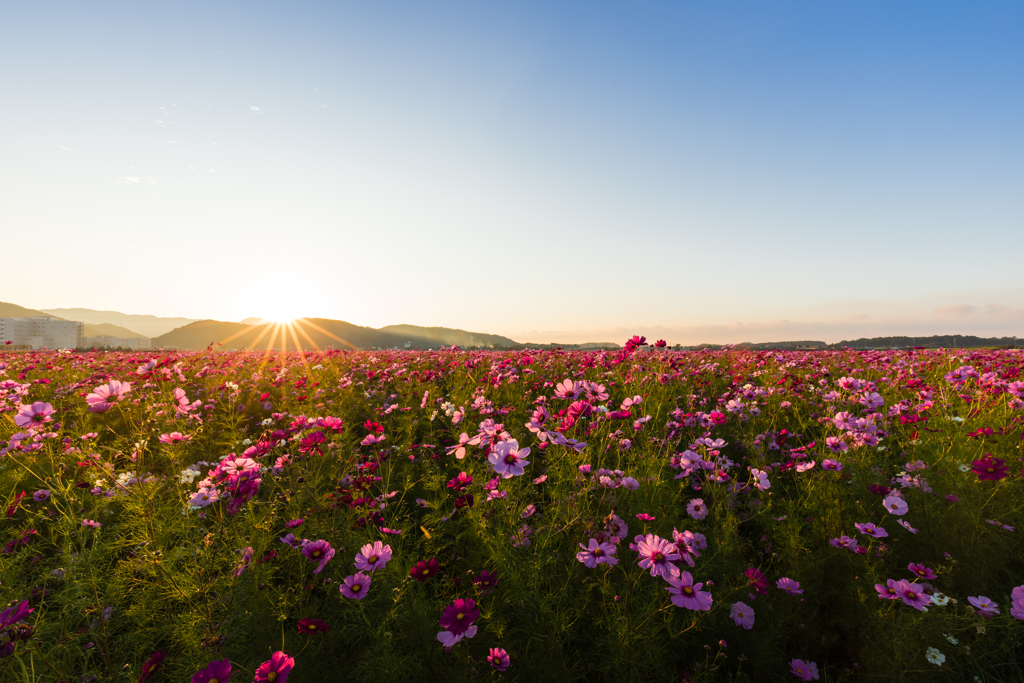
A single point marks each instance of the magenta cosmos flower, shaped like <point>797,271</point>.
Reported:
<point>870,529</point>
<point>890,591</point>
<point>687,594</point>
<point>508,459</point>
<point>922,571</point>
<point>743,615</point>
<point>373,556</point>
<point>318,551</point>
<point>457,620</point>
<point>985,607</point>
<point>895,505</point>
<point>424,569</point>
<point>34,416</point>
<point>757,580</point>
<point>912,595</point>
<point>597,553</point>
<point>989,468</point>
<point>657,554</point>
<point>805,671</point>
<point>105,396</point>
<point>215,672</point>
<point>356,586</point>
<point>275,669</point>
<point>498,658</point>
<point>789,585</point>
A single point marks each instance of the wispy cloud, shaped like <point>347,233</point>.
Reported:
<point>134,179</point>
<point>955,310</point>
<point>255,109</point>
<point>66,148</point>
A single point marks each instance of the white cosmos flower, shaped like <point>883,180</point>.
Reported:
<point>934,656</point>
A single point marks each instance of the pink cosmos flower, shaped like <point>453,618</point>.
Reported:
<point>890,591</point>
<point>319,551</point>
<point>985,607</point>
<point>805,671</point>
<point>275,669</point>
<point>508,459</point>
<point>903,523</point>
<point>912,595</point>
<point>34,416</point>
<point>761,482</point>
<point>373,556</point>
<point>697,509</point>
<point>922,571</point>
<point>40,495</point>
<point>372,439</point>
<point>568,389</point>
<point>204,496</point>
<point>215,672</point>
<point>246,560</point>
<point>1017,609</point>
<point>105,396</point>
<point>355,586</point>
<point>895,505</point>
<point>870,529</point>
<point>657,554</point>
<point>789,585</point>
<point>174,437</point>
<point>498,658</point>
<point>687,594</point>
<point>743,615</point>
<point>457,620</point>
<point>644,517</point>
<point>757,580</point>
<point>597,553</point>
<point>91,523</point>
<point>831,465</point>
<point>12,615</point>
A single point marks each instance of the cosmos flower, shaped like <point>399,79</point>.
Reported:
<point>308,626</point>
<point>275,669</point>
<point>687,594</point>
<point>356,586</point>
<point>498,658</point>
<point>805,671</point>
<point>215,672</point>
<point>596,553</point>
<point>34,416</point>
<point>373,556</point>
<point>895,505</point>
<point>319,551</point>
<point>508,459</point>
<point>105,396</point>
<point>424,569</point>
<point>743,615</point>
<point>656,554</point>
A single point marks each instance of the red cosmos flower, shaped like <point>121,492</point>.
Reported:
<point>313,626</point>
<point>989,468</point>
<point>373,427</point>
<point>150,667</point>
<point>424,569</point>
<point>757,580</point>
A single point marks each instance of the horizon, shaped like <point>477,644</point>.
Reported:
<point>552,174</point>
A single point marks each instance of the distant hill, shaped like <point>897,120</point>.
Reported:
<point>444,336</point>
<point>945,341</point>
<point>16,311</point>
<point>108,330</point>
<point>146,325</point>
<point>310,332</point>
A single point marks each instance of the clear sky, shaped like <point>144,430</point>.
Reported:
<point>552,171</point>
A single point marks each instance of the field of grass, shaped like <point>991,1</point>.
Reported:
<point>644,515</point>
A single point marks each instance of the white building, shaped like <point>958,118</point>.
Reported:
<point>43,331</point>
<point>133,343</point>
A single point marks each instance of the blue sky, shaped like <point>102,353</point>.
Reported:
<point>551,171</point>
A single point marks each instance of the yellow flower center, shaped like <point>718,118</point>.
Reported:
<point>272,676</point>
<point>459,616</point>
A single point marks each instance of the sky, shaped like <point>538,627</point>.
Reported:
<point>573,171</point>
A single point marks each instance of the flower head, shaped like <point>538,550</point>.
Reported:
<point>217,671</point>
<point>318,551</point>
<point>508,459</point>
<point>596,553</point>
<point>355,586</point>
<point>805,671</point>
<point>308,625</point>
<point>275,669</point>
<point>989,468</point>
<point>373,556</point>
<point>687,594</point>
<point>498,658</point>
<point>743,615</point>
<point>789,585</point>
<point>424,569</point>
<point>895,505</point>
<point>934,656</point>
<point>657,554</point>
<point>458,617</point>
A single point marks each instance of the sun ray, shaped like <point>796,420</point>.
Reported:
<point>238,334</point>
<point>332,336</point>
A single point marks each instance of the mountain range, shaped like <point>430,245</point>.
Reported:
<point>258,333</point>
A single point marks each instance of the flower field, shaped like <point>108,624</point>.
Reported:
<point>640,515</point>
